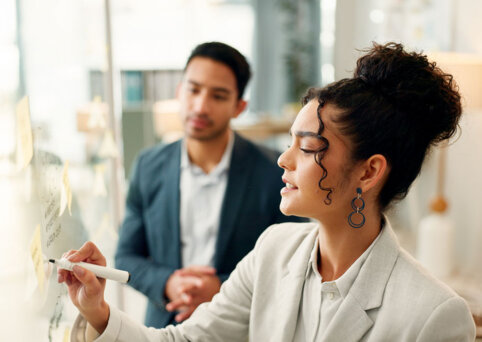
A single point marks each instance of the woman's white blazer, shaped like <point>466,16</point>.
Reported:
<point>392,299</point>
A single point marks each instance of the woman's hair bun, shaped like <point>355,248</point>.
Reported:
<point>414,85</point>
<point>398,104</point>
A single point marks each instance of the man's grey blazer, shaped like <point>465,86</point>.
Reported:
<point>392,299</point>
<point>149,246</point>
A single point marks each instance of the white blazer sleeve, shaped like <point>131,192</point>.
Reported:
<point>450,321</point>
<point>225,318</point>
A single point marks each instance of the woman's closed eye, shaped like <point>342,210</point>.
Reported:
<point>307,150</point>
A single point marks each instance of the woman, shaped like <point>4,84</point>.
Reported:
<point>357,145</point>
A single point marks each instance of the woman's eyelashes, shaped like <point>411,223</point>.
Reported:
<point>303,149</point>
<point>307,150</point>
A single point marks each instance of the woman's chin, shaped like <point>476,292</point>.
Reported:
<point>290,210</point>
<point>287,210</point>
<point>283,208</point>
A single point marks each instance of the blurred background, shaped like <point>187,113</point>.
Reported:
<point>100,77</point>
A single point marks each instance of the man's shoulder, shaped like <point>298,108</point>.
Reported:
<point>160,149</point>
<point>159,153</point>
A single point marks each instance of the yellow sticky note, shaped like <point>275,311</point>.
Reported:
<point>108,148</point>
<point>24,134</point>
<point>66,335</point>
<point>37,258</point>
<point>65,191</point>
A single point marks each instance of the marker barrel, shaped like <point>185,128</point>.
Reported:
<point>99,271</point>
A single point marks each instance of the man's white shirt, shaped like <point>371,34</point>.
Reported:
<point>201,203</point>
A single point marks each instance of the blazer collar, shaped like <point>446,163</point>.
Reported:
<point>289,296</point>
<point>366,292</point>
<point>376,270</point>
<point>160,176</point>
<point>223,164</point>
<point>238,176</point>
<point>299,262</point>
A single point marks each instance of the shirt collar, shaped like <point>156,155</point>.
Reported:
<point>343,283</point>
<point>222,166</point>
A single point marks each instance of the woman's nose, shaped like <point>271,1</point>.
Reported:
<point>284,160</point>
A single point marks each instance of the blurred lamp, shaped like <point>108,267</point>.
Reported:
<point>467,72</point>
<point>436,231</point>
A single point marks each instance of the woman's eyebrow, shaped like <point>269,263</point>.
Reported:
<point>303,134</point>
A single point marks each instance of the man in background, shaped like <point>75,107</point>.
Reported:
<point>197,206</point>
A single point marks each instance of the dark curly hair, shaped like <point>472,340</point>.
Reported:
<point>397,104</point>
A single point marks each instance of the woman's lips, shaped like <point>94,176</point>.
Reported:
<point>288,188</point>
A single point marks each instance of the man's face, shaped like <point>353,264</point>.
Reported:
<point>208,96</point>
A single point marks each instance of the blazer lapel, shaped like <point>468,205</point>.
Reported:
<point>288,299</point>
<point>164,212</point>
<point>238,176</point>
<point>351,321</point>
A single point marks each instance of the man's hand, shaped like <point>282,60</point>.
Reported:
<point>189,287</point>
<point>86,290</point>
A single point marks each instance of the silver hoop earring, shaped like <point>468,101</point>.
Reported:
<point>357,209</point>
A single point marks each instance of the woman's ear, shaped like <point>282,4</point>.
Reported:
<point>375,169</point>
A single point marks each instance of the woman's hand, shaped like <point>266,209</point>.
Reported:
<point>86,290</point>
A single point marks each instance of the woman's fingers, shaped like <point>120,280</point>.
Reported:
<point>90,253</point>
<point>62,275</point>
<point>92,284</point>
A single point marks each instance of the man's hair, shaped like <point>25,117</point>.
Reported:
<point>227,55</point>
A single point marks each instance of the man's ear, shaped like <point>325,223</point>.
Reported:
<point>374,170</point>
<point>240,107</point>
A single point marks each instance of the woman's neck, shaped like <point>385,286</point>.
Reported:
<point>340,245</point>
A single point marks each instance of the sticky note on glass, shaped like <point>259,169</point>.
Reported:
<point>65,191</point>
<point>37,258</point>
<point>108,148</point>
<point>24,134</point>
<point>66,334</point>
